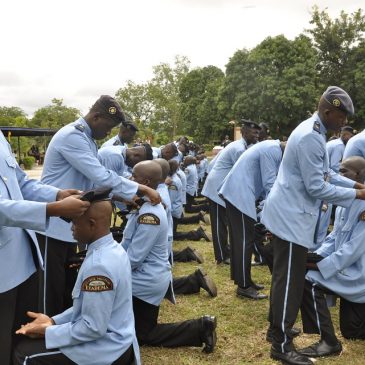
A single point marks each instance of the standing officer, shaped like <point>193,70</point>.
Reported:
<point>222,166</point>
<point>146,242</point>
<point>127,131</point>
<point>99,328</point>
<point>72,160</point>
<point>291,213</point>
<point>23,208</point>
<point>250,179</point>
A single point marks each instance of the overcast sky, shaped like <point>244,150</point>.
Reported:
<point>77,50</point>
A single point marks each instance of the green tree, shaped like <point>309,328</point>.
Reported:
<point>354,82</point>
<point>54,116</point>
<point>199,92</point>
<point>8,115</point>
<point>275,83</point>
<point>334,41</point>
<point>137,101</point>
<point>165,86</point>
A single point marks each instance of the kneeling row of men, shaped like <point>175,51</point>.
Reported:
<point>72,161</point>
<point>118,292</point>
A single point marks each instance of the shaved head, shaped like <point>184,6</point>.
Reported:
<point>94,224</point>
<point>353,168</point>
<point>174,165</point>
<point>147,173</point>
<point>165,167</point>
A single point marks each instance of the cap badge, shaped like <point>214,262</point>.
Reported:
<point>336,102</point>
<point>112,110</point>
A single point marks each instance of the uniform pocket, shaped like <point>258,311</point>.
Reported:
<point>10,161</point>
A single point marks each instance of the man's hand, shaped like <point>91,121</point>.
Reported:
<point>152,194</point>
<point>69,207</point>
<point>312,266</point>
<point>37,328</point>
<point>62,194</point>
<point>360,194</point>
<point>168,180</point>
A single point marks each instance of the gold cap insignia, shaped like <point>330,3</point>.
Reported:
<point>112,110</point>
<point>336,102</point>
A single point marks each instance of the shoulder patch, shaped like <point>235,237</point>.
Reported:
<point>317,126</point>
<point>172,187</point>
<point>362,216</point>
<point>80,127</point>
<point>97,283</point>
<point>149,218</point>
<point>116,143</point>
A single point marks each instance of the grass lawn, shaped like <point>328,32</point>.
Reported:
<point>241,322</point>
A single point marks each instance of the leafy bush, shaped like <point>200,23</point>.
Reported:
<point>28,162</point>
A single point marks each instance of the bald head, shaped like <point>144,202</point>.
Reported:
<point>169,151</point>
<point>174,165</point>
<point>353,168</point>
<point>189,160</point>
<point>147,173</point>
<point>165,167</point>
<point>94,224</point>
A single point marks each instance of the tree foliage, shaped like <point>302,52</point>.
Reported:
<point>55,115</point>
<point>199,92</point>
<point>274,83</point>
<point>334,41</point>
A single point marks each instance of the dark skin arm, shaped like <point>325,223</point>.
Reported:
<point>36,328</point>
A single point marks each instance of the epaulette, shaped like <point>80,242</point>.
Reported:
<point>80,127</point>
<point>317,126</point>
<point>149,218</point>
<point>172,187</point>
<point>362,216</point>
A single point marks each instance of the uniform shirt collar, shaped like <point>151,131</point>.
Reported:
<point>87,129</point>
<point>244,142</point>
<point>323,129</point>
<point>102,241</point>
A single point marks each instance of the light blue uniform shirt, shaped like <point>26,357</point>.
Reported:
<point>72,161</point>
<point>165,198</point>
<point>191,174</point>
<point>252,176</point>
<point>114,141</point>
<point>223,164</point>
<point>343,268</point>
<point>175,191</point>
<point>211,164</point>
<point>291,210</point>
<point>179,158</point>
<point>181,174</point>
<point>113,158</point>
<point>147,248</point>
<point>99,327</point>
<point>355,146</point>
<point>156,152</point>
<point>18,217</point>
<point>335,150</point>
